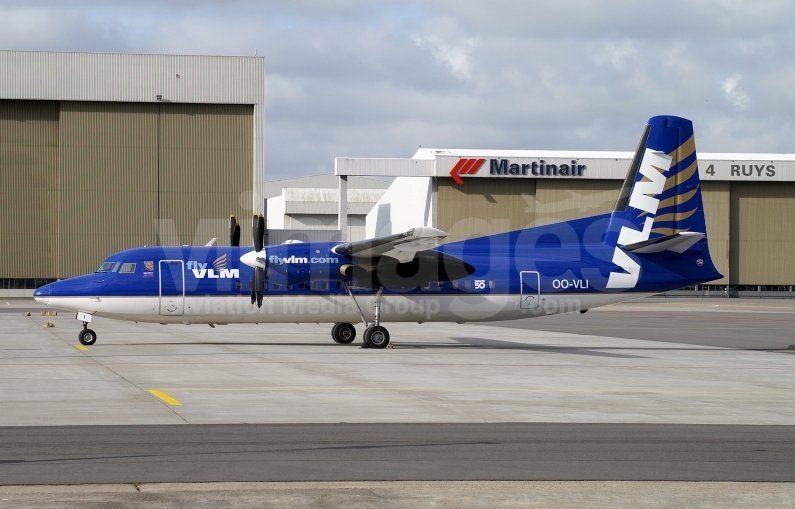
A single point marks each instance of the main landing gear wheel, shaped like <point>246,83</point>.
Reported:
<point>87,337</point>
<point>376,337</point>
<point>343,333</point>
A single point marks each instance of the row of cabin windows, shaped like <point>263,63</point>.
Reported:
<point>324,285</point>
<point>129,268</point>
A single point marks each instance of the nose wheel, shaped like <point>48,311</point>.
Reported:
<point>343,333</point>
<point>87,336</point>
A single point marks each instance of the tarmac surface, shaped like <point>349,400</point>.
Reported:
<point>748,324</point>
<point>658,389</point>
<point>409,495</point>
<point>396,452</point>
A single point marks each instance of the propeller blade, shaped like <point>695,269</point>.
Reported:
<point>255,233</point>
<point>236,236</point>
<point>256,287</point>
<point>232,224</point>
<point>261,231</point>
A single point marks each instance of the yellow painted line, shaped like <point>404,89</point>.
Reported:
<point>81,348</point>
<point>164,397</point>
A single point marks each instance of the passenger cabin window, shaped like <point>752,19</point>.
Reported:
<point>467,284</point>
<point>492,284</point>
<point>455,284</point>
<point>105,267</point>
<point>127,268</point>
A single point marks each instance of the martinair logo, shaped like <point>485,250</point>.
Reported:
<point>465,167</point>
<point>505,167</point>
<point>218,270</point>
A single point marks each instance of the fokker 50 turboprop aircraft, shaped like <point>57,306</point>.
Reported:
<point>653,241</point>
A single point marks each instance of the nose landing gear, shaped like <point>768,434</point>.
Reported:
<point>87,336</point>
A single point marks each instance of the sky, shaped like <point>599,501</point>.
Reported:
<point>377,78</point>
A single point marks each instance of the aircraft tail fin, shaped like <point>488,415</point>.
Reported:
<point>659,208</point>
<point>661,195</point>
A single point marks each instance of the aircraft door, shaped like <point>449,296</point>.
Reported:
<point>531,289</point>
<point>171,275</point>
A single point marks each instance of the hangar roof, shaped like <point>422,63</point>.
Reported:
<point>431,153</point>
<point>124,77</point>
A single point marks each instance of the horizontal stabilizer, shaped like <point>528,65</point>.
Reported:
<point>678,243</point>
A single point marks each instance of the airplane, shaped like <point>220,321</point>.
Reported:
<point>653,241</point>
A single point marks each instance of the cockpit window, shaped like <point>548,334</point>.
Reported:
<point>127,268</point>
<point>116,267</point>
<point>105,267</point>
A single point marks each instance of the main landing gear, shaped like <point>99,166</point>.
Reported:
<point>343,333</point>
<point>375,336</point>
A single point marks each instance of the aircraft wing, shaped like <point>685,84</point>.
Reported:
<point>401,246</point>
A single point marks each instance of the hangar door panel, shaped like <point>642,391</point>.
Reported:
<point>762,236</point>
<point>28,194</point>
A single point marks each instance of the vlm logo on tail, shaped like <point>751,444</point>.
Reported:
<point>659,207</point>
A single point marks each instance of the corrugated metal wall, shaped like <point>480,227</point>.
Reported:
<point>125,77</point>
<point>716,199</point>
<point>206,157</point>
<point>484,206</point>
<point>563,200</point>
<point>124,165</point>
<point>762,235</point>
<point>28,197</point>
<point>108,191</point>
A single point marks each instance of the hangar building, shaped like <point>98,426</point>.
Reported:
<point>103,152</point>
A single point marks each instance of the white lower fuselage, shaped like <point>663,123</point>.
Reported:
<point>335,308</point>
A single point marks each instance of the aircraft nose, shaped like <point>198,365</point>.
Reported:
<point>42,294</point>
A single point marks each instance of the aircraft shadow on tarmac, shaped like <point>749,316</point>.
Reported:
<point>464,343</point>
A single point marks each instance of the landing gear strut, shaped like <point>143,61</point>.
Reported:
<point>375,336</point>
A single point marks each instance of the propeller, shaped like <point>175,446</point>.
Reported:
<point>234,231</point>
<point>256,258</point>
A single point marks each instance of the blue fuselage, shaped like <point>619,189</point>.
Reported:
<point>563,262</point>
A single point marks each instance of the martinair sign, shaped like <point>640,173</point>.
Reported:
<point>559,164</point>
<point>515,167</point>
